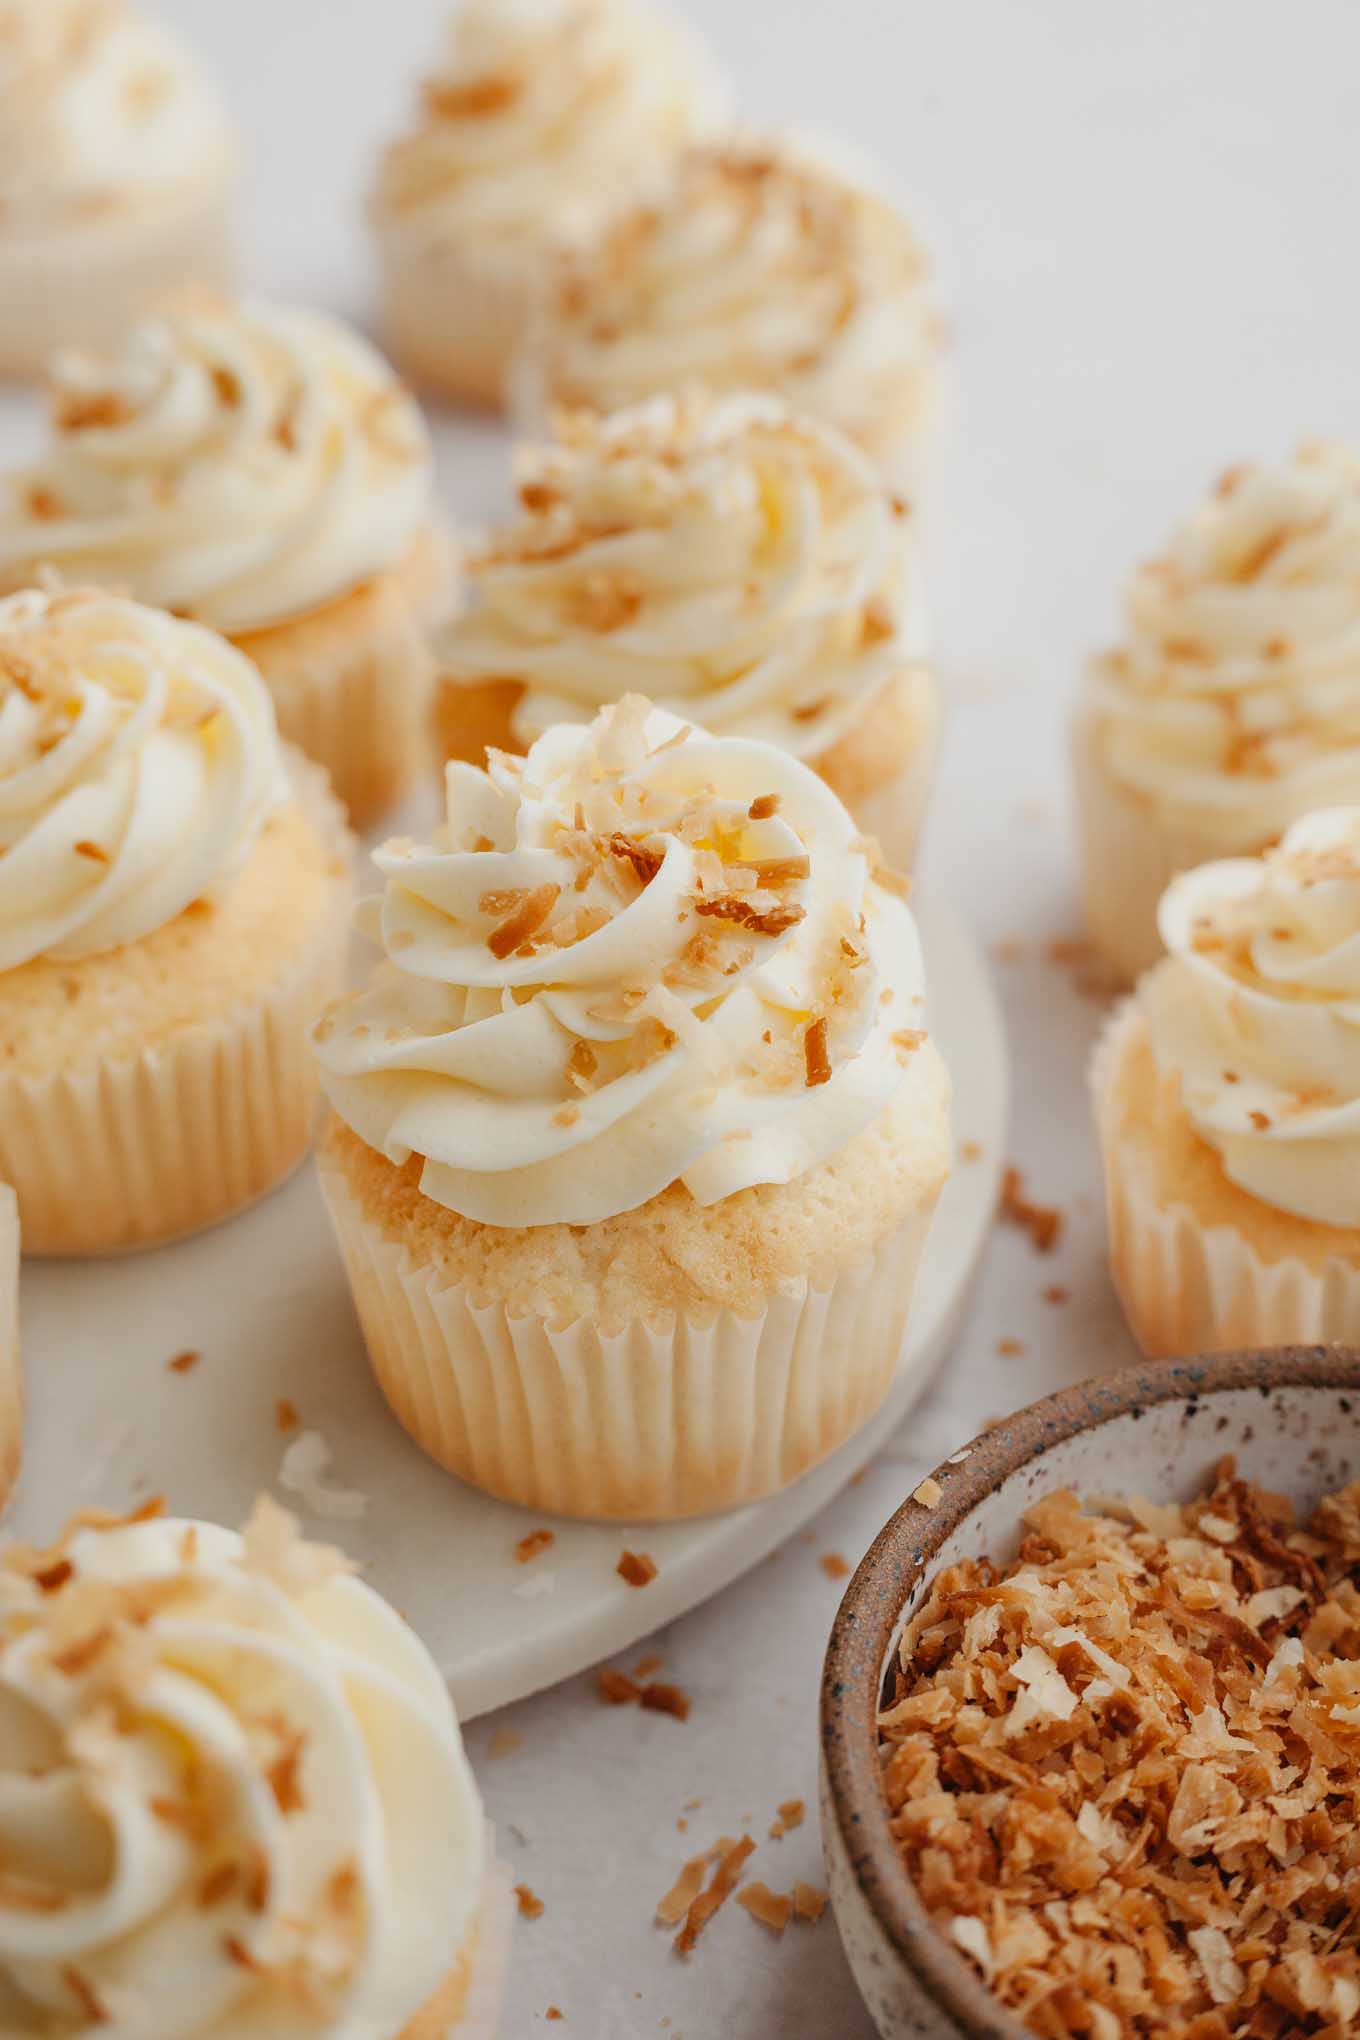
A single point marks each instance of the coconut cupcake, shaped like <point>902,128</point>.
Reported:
<point>264,473</point>
<point>1232,707</point>
<point>11,1375</point>
<point>638,1130</point>
<point>542,117</point>
<point>761,267</point>
<point>172,916</point>
<point>233,1797</point>
<point>117,174</point>
<point>1228,1099</point>
<point>728,560</point>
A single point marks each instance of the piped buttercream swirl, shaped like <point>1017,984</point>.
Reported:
<point>1233,705</point>
<point>643,955</point>
<point>236,463</point>
<point>1257,1012</point>
<point>761,267</point>
<point>233,1797</point>
<point>139,760</point>
<point>541,117</point>
<point>723,557</point>
<point>99,107</point>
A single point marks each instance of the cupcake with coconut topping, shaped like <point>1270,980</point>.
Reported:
<point>639,1128</point>
<point>117,174</point>
<point>173,905</point>
<point>732,562</point>
<point>1232,708</point>
<point>264,473</point>
<point>233,1797</point>
<point>760,267</point>
<point>541,119</point>
<point>1228,1099</point>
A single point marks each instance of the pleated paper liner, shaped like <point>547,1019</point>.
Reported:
<point>351,682</point>
<point>136,1152</point>
<point>649,1423</point>
<point>1191,1288</point>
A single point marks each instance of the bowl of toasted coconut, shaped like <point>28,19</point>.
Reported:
<point>1091,1718</point>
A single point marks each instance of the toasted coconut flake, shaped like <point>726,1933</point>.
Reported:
<point>816,1054</point>
<point>808,1902</point>
<point>834,1566</point>
<point>1043,1223</point>
<point>773,1909</point>
<point>616,1688</point>
<point>636,1568</point>
<point>184,1363</point>
<point>671,1909</point>
<point>534,1545</point>
<point>719,1889</point>
<point>762,808</point>
<point>760,920</point>
<point>659,1698</point>
<point>525,921</point>
<point>790,1816</point>
<point>928,1493</point>
<point>530,1904</point>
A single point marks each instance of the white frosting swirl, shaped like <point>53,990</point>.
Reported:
<point>1233,706</point>
<point>99,106</point>
<point>138,762</point>
<point>761,268</point>
<point>606,975</point>
<point>541,114</point>
<point>1257,1012</point>
<point>233,1797</point>
<point>726,559</point>
<point>237,464</point>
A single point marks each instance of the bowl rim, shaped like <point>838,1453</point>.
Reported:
<point>906,1549</point>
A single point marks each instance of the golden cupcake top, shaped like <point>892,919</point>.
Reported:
<point>139,760</point>
<point>1256,1013</point>
<point>225,1767</point>
<point>1234,696</point>
<point>237,463</point>
<point>539,114</point>
<point>642,955</point>
<point>725,557</point>
<point>100,108</point>
<point>760,267</point>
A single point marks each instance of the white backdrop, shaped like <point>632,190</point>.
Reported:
<point>1145,219</point>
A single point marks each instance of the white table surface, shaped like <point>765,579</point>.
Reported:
<point>1145,218</point>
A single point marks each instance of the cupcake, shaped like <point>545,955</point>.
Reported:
<point>233,1797</point>
<point>761,267</point>
<point>728,560</point>
<point>173,910</point>
<point>638,1130</point>
<point>1233,706</point>
<point>264,473</point>
<point>11,1376</point>
<point>117,174</point>
<point>1228,1100</point>
<point>542,116</point>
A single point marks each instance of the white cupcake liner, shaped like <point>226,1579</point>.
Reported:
<point>352,690</point>
<point>11,1371</point>
<point>456,319</point>
<point>1129,856</point>
<point>1188,1288</point>
<point>136,1152</point>
<point>83,285</point>
<point>646,1424</point>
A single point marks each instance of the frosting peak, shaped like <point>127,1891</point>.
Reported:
<point>238,464</point>
<point>723,557</point>
<point>98,106</point>
<point>540,114</point>
<point>760,268</point>
<point>1235,698</point>
<point>642,955</point>
<point>1257,1011</point>
<point>233,1797</point>
<point>138,762</point>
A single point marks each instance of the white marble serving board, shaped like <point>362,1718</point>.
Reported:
<point>264,1302</point>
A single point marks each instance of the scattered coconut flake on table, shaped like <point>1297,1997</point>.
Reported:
<point>303,1473</point>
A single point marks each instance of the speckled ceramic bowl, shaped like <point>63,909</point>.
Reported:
<point>1291,1416</point>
